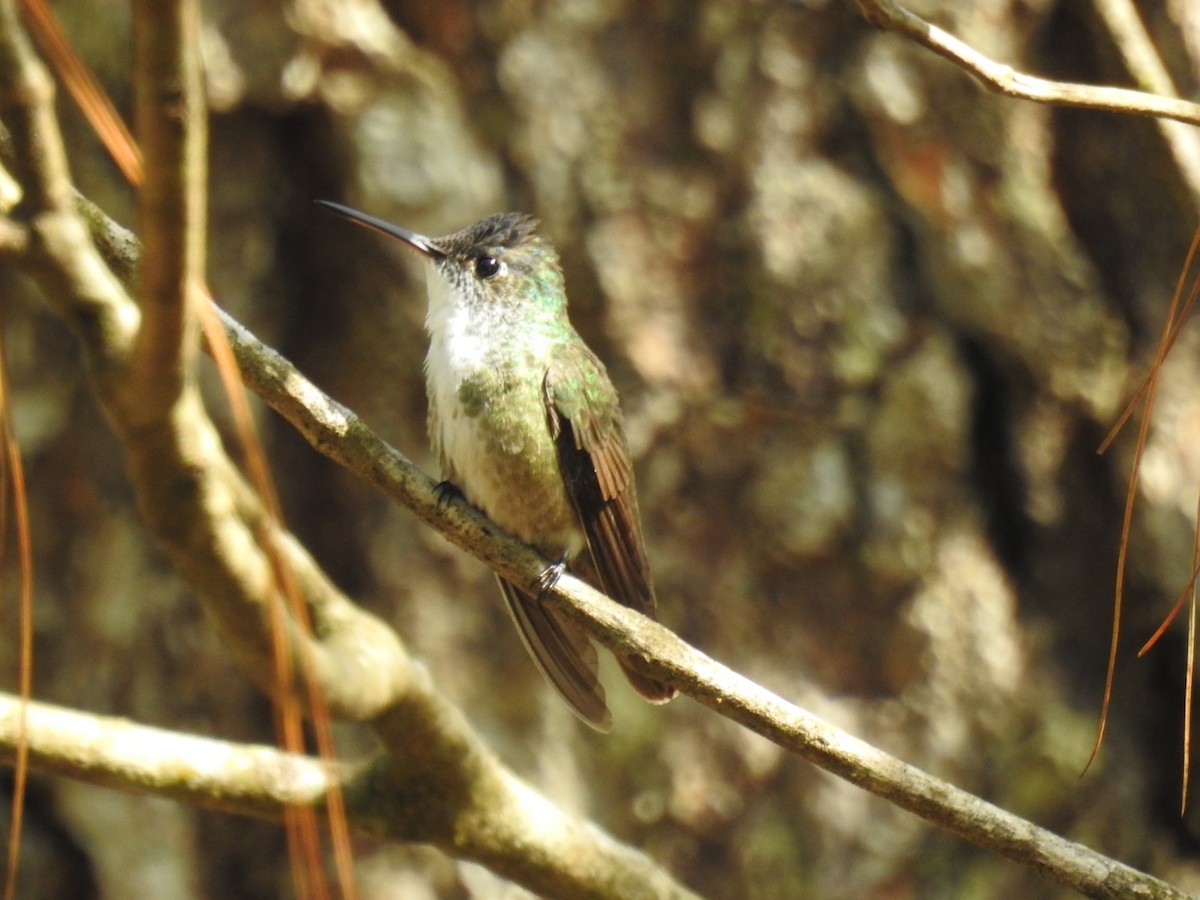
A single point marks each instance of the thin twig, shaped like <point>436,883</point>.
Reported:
<point>1125,28</point>
<point>1004,79</point>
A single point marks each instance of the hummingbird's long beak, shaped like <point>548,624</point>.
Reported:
<point>418,242</point>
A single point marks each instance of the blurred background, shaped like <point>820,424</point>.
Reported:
<point>869,323</point>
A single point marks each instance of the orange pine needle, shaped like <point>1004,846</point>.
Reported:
<point>1190,671</point>
<point>1171,616</point>
<point>87,92</point>
<point>1177,314</point>
<point>260,476</point>
<point>16,478</point>
<point>1175,320</point>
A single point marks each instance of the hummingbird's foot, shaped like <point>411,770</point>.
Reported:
<point>549,578</point>
<point>446,492</point>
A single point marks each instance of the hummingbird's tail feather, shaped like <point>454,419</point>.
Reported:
<point>651,690</point>
<point>587,567</point>
<point>563,653</point>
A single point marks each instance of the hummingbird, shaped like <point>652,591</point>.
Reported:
<point>527,426</point>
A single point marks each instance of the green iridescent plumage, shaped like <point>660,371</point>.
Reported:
<point>528,427</point>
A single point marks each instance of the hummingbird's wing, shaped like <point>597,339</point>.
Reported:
<point>584,416</point>
<point>562,652</point>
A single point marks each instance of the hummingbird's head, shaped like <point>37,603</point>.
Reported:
<point>500,264</point>
<point>500,260</point>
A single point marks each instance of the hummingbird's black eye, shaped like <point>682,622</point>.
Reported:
<point>486,266</point>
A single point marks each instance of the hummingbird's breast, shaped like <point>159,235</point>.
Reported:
<point>487,424</point>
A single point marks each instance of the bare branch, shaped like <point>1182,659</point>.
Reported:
<point>339,434</point>
<point>79,285</point>
<point>190,492</point>
<point>736,697</point>
<point>27,107</point>
<point>1142,60</point>
<point>14,240</point>
<point>171,124</point>
<point>117,753</point>
<point>1003,79</point>
<point>471,806</point>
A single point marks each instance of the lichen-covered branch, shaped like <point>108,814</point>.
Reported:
<point>118,753</point>
<point>503,823</point>
<point>336,432</point>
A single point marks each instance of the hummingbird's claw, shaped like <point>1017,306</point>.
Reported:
<point>549,578</point>
<point>446,492</point>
